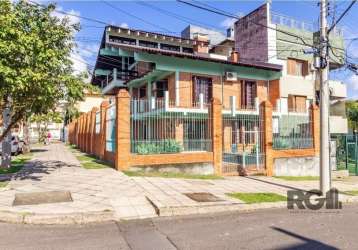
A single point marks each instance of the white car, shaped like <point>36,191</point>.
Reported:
<point>17,145</point>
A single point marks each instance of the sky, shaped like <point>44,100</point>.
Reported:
<point>157,16</point>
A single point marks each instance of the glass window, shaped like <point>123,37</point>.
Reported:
<point>202,85</point>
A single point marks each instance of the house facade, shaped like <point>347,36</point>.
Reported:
<point>244,105</point>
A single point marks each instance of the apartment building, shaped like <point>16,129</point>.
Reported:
<point>266,36</point>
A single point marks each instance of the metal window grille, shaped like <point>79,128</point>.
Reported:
<point>158,127</point>
<point>292,130</point>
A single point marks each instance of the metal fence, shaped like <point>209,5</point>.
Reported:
<point>292,130</point>
<point>242,142</point>
<point>158,127</point>
<point>346,152</point>
<point>110,128</point>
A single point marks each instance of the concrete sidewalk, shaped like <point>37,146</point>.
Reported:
<point>106,194</point>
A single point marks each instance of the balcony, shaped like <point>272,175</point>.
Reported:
<point>117,79</point>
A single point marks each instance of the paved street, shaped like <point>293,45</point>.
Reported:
<point>54,168</point>
<point>269,229</point>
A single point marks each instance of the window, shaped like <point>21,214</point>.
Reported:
<point>159,88</point>
<point>297,103</point>
<point>188,50</point>
<point>202,85</point>
<point>123,40</point>
<point>248,94</point>
<point>142,92</point>
<point>169,47</point>
<point>297,67</point>
<point>148,44</point>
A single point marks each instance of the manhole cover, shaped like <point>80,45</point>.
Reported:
<point>42,198</point>
<point>203,197</point>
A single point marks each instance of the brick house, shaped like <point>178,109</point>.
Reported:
<point>186,105</point>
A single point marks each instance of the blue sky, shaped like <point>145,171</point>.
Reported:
<point>154,20</point>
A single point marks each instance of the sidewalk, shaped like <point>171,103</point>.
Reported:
<point>106,194</point>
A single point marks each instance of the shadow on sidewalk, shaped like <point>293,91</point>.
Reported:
<point>275,184</point>
<point>36,169</point>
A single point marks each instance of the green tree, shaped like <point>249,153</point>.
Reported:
<point>35,67</point>
<point>43,120</point>
<point>352,113</point>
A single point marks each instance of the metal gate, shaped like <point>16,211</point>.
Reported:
<point>243,151</point>
<point>347,152</point>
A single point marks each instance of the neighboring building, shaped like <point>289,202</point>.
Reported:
<point>214,36</point>
<point>258,38</point>
<point>90,100</point>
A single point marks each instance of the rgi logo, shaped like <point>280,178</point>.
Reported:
<point>306,199</point>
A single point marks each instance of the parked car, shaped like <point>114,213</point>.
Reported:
<point>17,145</point>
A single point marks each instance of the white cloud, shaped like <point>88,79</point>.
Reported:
<point>72,15</point>
<point>124,25</point>
<point>228,22</point>
<point>352,86</point>
<point>79,64</point>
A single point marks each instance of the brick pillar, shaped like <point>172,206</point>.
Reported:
<point>123,142</point>
<point>102,133</point>
<point>315,128</point>
<point>76,133</point>
<point>266,112</point>
<point>80,132</point>
<point>85,132</point>
<point>216,113</point>
<point>88,132</point>
<point>93,131</point>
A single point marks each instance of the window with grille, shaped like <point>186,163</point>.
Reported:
<point>202,85</point>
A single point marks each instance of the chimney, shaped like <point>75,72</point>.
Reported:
<point>235,56</point>
<point>201,43</point>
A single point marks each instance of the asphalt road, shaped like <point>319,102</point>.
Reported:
<point>265,229</point>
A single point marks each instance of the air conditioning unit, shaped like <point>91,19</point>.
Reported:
<point>231,76</point>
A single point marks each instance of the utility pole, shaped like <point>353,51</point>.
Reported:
<point>325,169</point>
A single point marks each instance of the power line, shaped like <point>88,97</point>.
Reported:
<point>134,16</point>
<point>341,16</point>
<point>220,12</point>
<point>174,15</point>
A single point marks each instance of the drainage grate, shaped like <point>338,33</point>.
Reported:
<point>37,198</point>
<point>203,197</point>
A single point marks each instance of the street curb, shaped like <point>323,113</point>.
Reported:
<point>56,219</point>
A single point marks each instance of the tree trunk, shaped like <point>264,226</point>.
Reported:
<point>6,142</point>
<point>26,148</point>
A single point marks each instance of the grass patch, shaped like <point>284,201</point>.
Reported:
<point>3,184</point>
<point>17,163</point>
<point>350,192</point>
<point>87,161</point>
<point>298,178</point>
<point>251,198</point>
<point>172,175</point>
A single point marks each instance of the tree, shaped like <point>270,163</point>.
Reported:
<point>352,113</point>
<point>35,67</point>
<point>42,121</point>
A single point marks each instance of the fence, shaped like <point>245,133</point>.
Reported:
<point>243,146</point>
<point>292,130</point>
<point>347,152</point>
<point>156,128</point>
<point>156,132</point>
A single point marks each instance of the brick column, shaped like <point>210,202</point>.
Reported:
<point>102,133</point>
<point>93,131</point>
<point>88,132</point>
<point>216,114</point>
<point>80,132</point>
<point>76,133</point>
<point>315,128</point>
<point>123,142</point>
<point>179,132</point>
<point>266,112</point>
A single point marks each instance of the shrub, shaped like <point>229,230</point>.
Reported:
<point>167,146</point>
